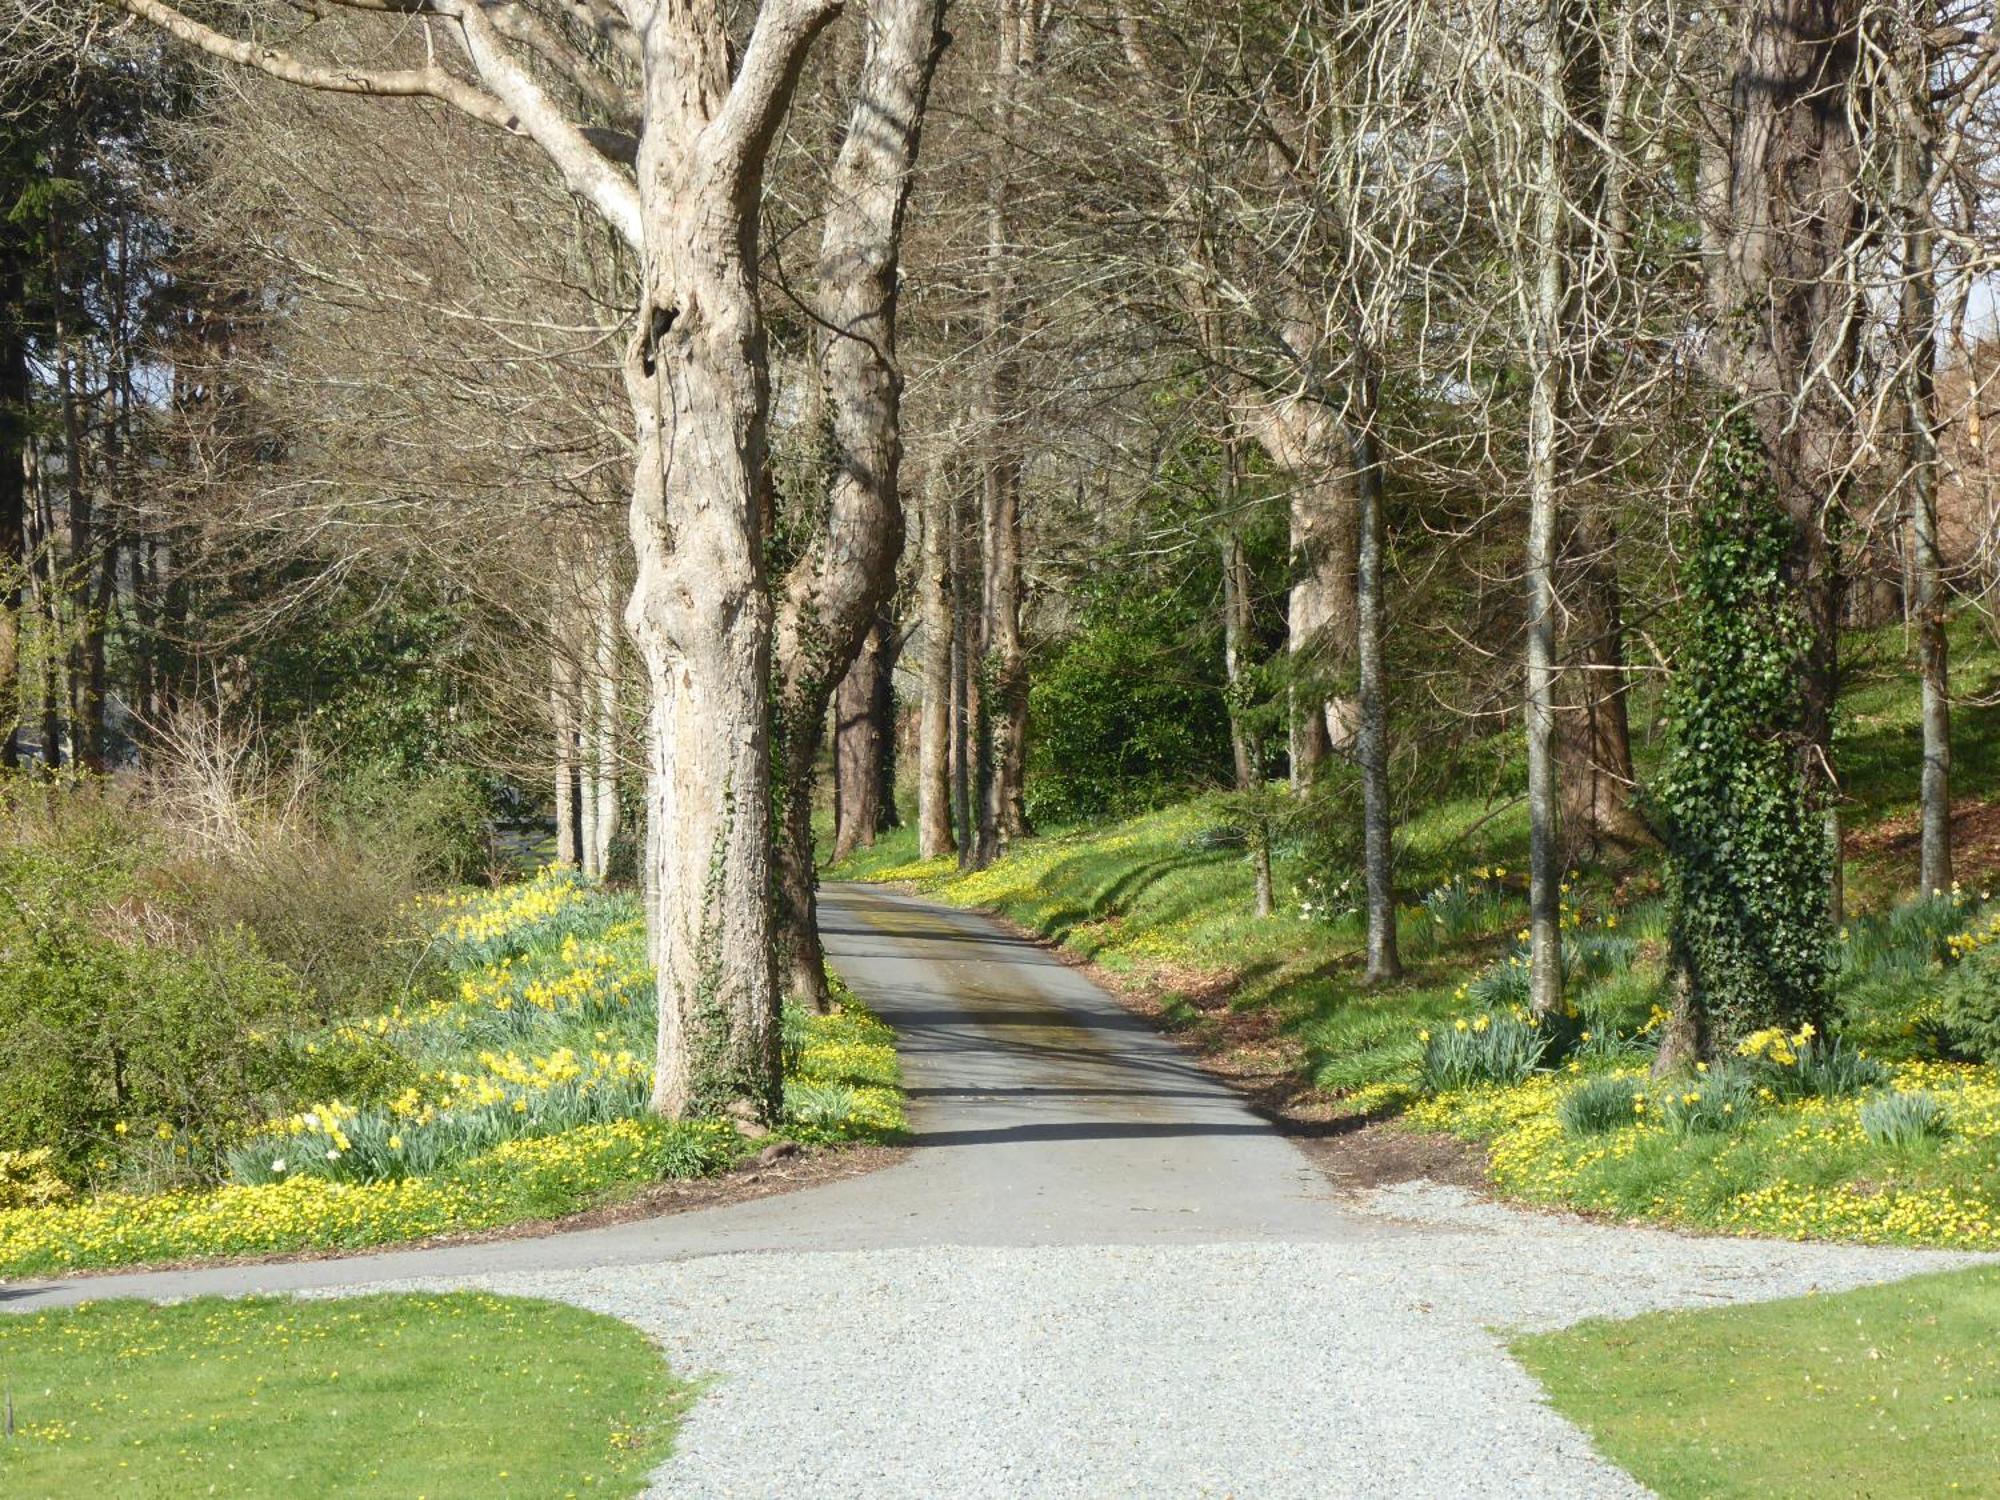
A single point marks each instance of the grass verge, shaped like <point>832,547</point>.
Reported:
<point>1886,1391</point>
<point>452,1395</point>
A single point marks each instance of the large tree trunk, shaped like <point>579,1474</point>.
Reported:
<point>934,835</point>
<point>1788,309</point>
<point>967,759</point>
<point>859,733</point>
<point>701,611</point>
<point>832,594</point>
<point>1306,443</point>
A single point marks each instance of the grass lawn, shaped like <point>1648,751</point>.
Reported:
<point>1887,1391</point>
<point>460,1394</point>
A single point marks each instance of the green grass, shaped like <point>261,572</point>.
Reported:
<point>1886,1391</point>
<point>454,1395</point>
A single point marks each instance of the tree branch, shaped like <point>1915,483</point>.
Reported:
<point>395,83</point>
<point>762,91</point>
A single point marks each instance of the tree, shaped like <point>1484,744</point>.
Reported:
<point>642,114</point>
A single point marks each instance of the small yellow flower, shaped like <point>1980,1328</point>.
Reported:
<point>120,1128</point>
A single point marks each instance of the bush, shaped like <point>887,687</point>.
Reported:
<point>1904,1119</point>
<point>1600,1104</point>
<point>1710,1103</point>
<point>1968,1014</point>
<point>1129,712</point>
<point>1492,1049</point>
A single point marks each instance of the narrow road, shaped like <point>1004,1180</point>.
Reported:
<point>1097,1273</point>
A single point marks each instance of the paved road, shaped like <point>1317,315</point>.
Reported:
<point>1097,1273</point>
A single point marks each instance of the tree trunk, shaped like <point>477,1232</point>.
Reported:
<point>15,392</point>
<point>1003,693</point>
<point>700,611</point>
<point>562,716</point>
<point>1305,442</point>
<point>967,757</point>
<point>1372,729</point>
<point>1789,309</point>
<point>1544,327</point>
<point>1593,731</point>
<point>605,750</point>
<point>1927,597</point>
<point>934,835</point>
<point>858,732</point>
<point>832,594</point>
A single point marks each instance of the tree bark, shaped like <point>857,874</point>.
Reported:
<point>1003,691</point>
<point>858,735</point>
<point>605,755</point>
<point>700,610</point>
<point>832,594</point>
<point>934,835</point>
<point>1593,731</point>
<point>1927,596</point>
<point>15,392</point>
<point>1372,728</point>
<point>1306,443</point>
<point>1789,312</point>
<point>562,716</point>
<point>1544,327</point>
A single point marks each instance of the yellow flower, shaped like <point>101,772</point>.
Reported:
<point>164,1131</point>
<point>395,1143</point>
<point>120,1128</point>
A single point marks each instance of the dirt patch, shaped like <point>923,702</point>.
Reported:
<point>1250,1051</point>
<point>810,1168</point>
<point>1975,843</point>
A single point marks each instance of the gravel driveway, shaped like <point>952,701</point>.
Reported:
<point>1097,1273</point>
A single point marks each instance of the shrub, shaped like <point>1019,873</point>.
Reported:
<point>1710,1103</point>
<point>28,1179</point>
<point>1493,1049</point>
<point>1599,1104</point>
<point>1904,1119</point>
<point>1747,855</point>
<point>1503,986</point>
<point>1129,711</point>
<point>1968,1014</point>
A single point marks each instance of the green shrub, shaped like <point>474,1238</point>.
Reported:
<point>1129,710</point>
<point>1494,1049</point>
<point>1904,943</point>
<point>1599,1104</point>
<point>1722,1099</point>
<point>1968,1013</point>
<point>1904,1119</point>
<point>1502,986</point>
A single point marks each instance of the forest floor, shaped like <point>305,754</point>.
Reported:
<point>1042,1299</point>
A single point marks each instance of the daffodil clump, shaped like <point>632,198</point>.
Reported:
<point>1748,1158</point>
<point>522,1094</point>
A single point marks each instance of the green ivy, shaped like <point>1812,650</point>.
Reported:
<point>1748,867</point>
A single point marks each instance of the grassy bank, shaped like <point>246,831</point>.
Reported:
<point>459,1395</point>
<point>1892,1136</point>
<point>519,1093</point>
<point>1887,1391</point>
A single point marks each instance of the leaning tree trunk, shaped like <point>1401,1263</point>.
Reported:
<point>832,594</point>
<point>934,836</point>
